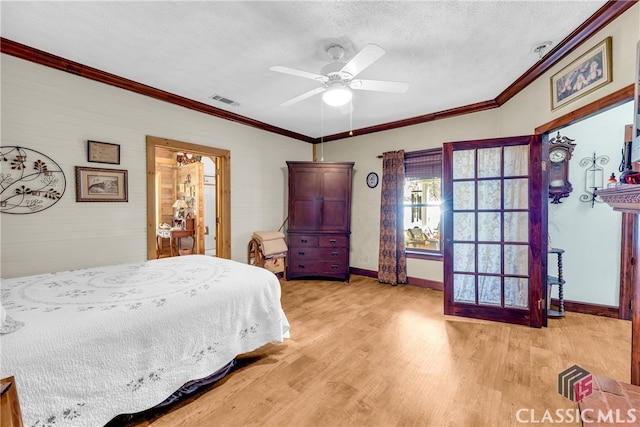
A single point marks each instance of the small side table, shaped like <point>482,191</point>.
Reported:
<point>556,281</point>
<point>10,414</point>
<point>162,233</point>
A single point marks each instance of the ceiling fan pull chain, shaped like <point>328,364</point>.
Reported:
<point>351,117</point>
<point>321,131</point>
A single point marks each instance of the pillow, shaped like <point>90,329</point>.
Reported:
<point>8,324</point>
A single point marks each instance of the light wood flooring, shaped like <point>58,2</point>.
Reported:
<point>367,354</point>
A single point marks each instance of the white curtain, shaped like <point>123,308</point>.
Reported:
<point>499,180</point>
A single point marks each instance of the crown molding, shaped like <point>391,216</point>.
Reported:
<point>27,53</point>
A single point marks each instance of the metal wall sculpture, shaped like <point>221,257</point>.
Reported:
<point>30,181</point>
<point>593,177</point>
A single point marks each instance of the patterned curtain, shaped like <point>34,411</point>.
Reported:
<point>392,262</point>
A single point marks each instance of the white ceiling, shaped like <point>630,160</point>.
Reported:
<point>452,53</point>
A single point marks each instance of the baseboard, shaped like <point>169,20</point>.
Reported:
<point>363,272</point>
<point>413,281</point>
<point>589,308</point>
<point>572,306</point>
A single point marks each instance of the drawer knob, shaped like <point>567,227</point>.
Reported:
<point>332,241</point>
<point>334,267</point>
<point>300,265</point>
<point>300,253</point>
<point>303,240</point>
<point>334,253</point>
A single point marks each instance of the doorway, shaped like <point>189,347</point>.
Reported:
<point>629,221</point>
<point>221,224</point>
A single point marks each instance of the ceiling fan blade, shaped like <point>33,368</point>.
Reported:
<point>367,56</point>
<point>379,85</point>
<point>299,73</point>
<point>303,96</point>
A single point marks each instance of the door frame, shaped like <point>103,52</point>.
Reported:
<point>629,222</point>
<point>223,189</point>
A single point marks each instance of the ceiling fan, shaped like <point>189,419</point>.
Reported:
<point>338,78</point>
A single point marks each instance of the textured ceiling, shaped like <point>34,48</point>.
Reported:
<point>452,53</point>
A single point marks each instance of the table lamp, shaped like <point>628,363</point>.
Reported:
<point>179,207</point>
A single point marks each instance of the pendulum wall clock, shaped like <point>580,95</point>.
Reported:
<point>560,151</point>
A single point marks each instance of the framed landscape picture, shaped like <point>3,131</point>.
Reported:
<point>589,72</point>
<point>101,185</point>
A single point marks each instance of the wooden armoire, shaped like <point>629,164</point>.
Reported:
<point>319,219</point>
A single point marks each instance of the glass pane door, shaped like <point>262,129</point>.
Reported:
<point>493,256</point>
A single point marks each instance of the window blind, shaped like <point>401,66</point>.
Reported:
<point>423,164</point>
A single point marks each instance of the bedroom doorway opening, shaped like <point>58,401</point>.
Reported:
<point>213,229</point>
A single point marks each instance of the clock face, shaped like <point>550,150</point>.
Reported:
<point>557,155</point>
<point>372,179</point>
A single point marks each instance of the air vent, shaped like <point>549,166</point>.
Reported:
<point>224,100</point>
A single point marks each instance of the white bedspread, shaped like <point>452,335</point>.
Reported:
<point>120,339</point>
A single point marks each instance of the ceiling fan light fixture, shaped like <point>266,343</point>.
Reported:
<point>337,95</point>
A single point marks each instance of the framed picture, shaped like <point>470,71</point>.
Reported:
<point>103,152</point>
<point>589,72</point>
<point>101,185</point>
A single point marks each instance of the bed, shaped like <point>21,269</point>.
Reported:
<point>87,345</point>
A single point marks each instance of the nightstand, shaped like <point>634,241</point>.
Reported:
<point>10,415</point>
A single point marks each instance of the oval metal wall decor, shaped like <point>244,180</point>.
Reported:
<point>30,181</point>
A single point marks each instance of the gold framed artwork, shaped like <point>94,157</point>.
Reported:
<point>103,152</point>
<point>101,185</point>
<point>590,71</point>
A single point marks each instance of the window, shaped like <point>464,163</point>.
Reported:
<point>422,203</point>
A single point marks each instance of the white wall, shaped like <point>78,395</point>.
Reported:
<point>55,113</point>
<point>519,116</point>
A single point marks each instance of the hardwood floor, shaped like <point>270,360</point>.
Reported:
<point>367,354</point>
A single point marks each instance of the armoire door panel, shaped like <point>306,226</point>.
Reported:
<point>333,215</point>
<point>336,185</point>
<point>305,215</point>
<point>305,185</point>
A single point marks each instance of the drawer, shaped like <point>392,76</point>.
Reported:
<point>320,254</point>
<point>333,241</point>
<point>317,268</point>
<point>302,240</point>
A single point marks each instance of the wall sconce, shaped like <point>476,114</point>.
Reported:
<point>593,177</point>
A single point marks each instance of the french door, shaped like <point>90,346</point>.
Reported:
<point>495,230</point>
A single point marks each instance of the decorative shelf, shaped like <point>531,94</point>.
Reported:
<point>623,198</point>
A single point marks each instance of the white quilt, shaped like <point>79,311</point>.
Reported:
<point>120,339</point>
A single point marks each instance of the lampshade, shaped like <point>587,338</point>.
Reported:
<point>180,204</point>
<point>337,95</point>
